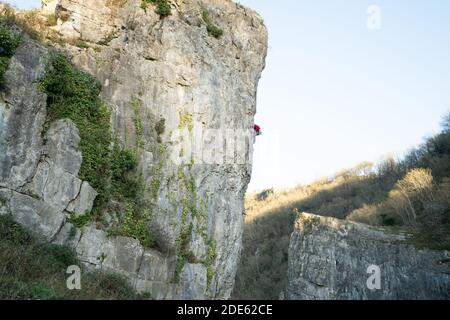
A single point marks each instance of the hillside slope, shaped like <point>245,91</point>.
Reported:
<point>411,194</point>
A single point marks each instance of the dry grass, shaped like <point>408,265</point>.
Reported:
<point>37,25</point>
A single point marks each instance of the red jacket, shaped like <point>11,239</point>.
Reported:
<point>257,128</point>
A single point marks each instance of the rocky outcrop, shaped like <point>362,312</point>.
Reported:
<point>22,116</point>
<point>336,259</point>
<point>174,91</point>
<point>49,6</point>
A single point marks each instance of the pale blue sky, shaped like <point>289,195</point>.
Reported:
<point>335,93</point>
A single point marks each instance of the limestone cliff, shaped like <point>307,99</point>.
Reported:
<point>336,259</point>
<point>174,88</point>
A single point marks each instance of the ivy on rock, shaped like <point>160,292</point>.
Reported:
<point>109,168</point>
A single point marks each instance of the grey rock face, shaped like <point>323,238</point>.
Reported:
<point>193,281</point>
<point>153,71</point>
<point>22,116</point>
<point>84,202</point>
<point>171,69</point>
<point>54,185</point>
<point>148,270</point>
<point>62,146</point>
<point>336,259</point>
<point>68,235</point>
<point>91,20</point>
<point>55,180</point>
<point>5,198</point>
<point>154,275</point>
<point>38,216</point>
<point>118,254</point>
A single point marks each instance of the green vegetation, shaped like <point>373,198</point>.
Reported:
<point>185,121</point>
<point>209,261</point>
<point>182,242</point>
<point>107,166</point>
<point>80,221</point>
<point>160,127</point>
<point>52,20</point>
<point>74,95</point>
<point>184,237</point>
<point>138,127</point>
<point>162,7</point>
<point>31,270</point>
<point>135,224</point>
<point>3,201</point>
<point>191,211</point>
<point>9,41</point>
<point>82,44</point>
<point>4,64</point>
<point>123,163</point>
<point>127,190</point>
<point>212,29</point>
<point>157,174</point>
<point>410,195</point>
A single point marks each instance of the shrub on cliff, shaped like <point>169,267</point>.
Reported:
<point>107,166</point>
<point>74,95</point>
<point>212,29</point>
<point>31,270</point>
<point>9,41</point>
<point>162,7</point>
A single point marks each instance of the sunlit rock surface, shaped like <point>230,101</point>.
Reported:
<point>337,259</point>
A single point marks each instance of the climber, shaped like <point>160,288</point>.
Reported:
<point>257,130</point>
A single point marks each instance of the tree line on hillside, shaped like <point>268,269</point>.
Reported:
<point>411,194</point>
